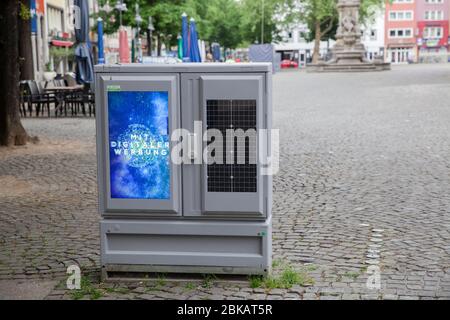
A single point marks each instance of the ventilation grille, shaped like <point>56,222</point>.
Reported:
<point>237,171</point>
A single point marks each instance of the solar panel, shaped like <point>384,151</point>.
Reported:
<point>239,174</point>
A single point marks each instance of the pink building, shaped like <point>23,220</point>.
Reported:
<point>432,31</point>
<point>400,25</point>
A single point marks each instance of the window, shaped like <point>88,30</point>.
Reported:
<point>401,15</point>
<point>434,15</point>
<point>373,34</point>
<point>55,19</point>
<point>433,1</point>
<point>400,33</point>
<point>433,32</point>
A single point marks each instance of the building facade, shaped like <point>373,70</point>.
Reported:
<point>52,27</point>
<point>432,30</point>
<point>296,48</point>
<point>373,36</point>
<point>400,31</point>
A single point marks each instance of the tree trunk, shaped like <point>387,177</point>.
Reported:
<point>158,48</point>
<point>11,129</point>
<point>317,37</point>
<point>25,50</point>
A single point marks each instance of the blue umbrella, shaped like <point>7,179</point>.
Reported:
<point>101,55</point>
<point>216,51</point>
<point>194,51</point>
<point>185,35</point>
<point>84,68</point>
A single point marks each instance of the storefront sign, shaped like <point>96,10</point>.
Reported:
<point>432,42</point>
<point>39,6</point>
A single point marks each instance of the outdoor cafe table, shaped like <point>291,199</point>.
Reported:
<point>60,94</point>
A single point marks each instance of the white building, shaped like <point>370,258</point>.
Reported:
<point>373,35</point>
<point>294,46</point>
<point>52,26</point>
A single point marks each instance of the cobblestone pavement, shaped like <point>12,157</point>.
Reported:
<point>364,184</point>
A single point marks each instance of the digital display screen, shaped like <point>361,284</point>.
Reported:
<point>139,151</point>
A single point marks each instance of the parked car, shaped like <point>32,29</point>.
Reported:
<point>288,64</point>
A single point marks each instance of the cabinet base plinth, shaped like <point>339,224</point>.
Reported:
<point>180,246</point>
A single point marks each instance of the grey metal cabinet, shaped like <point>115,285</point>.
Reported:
<point>199,215</point>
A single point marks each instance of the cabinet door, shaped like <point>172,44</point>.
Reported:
<point>136,117</point>
<point>233,188</point>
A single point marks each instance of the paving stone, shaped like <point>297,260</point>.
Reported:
<point>330,297</point>
<point>408,298</point>
<point>309,296</point>
<point>390,297</point>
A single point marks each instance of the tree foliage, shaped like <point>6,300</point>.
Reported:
<point>220,22</point>
<point>230,22</point>
<point>260,13</point>
<point>166,17</point>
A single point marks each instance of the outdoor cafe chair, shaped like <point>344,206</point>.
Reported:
<point>35,96</point>
<point>79,99</point>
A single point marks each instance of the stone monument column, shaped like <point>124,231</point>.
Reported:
<point>348,47</point>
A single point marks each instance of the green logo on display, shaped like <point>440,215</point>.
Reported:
<point>113,88</point>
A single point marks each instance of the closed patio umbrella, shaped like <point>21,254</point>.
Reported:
<point>180,47</point>
<point>101,54</point>
<point>124,48</point>
<point>83,57</point>
<point>194,51</point>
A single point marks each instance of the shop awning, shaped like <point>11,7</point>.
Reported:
<point>62,43</point>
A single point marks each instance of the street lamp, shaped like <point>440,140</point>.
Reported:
<point>160,43</point>
<point>138,20</point>
<point>262,22</point>
<point>121,7</point>
<point>124,53</point>
<point>150,30</point>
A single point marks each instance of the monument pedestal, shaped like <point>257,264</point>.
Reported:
<point>345,66</point>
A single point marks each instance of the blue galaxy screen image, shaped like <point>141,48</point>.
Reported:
<point>139,150</point>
